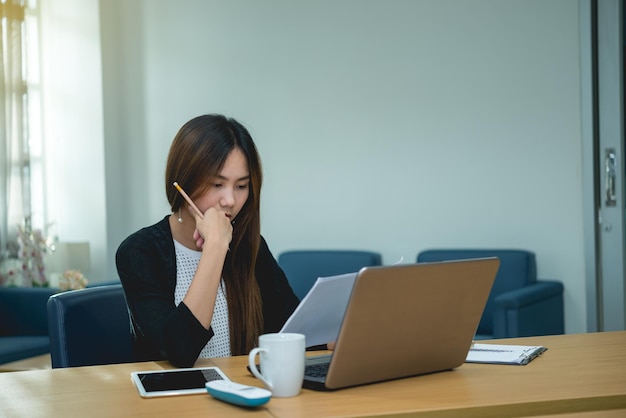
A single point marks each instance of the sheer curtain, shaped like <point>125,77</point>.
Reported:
<point>19,135</point>
<point>14,161</point>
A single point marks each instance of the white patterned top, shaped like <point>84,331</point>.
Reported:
<point>186,264</point>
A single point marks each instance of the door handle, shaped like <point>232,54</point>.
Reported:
<point>609,179</point>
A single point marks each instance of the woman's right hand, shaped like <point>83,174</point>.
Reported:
<point>214,229</point>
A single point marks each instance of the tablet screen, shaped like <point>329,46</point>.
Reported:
<point>175,381</point>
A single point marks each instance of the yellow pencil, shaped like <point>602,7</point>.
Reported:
<point>188,199</point>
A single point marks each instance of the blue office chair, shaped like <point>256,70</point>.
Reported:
<point>89,326</point>
<point>519,305</point>
<point>303,267</point>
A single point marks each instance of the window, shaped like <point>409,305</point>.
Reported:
<point>22,188</point>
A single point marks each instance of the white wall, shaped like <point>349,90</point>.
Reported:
<point>392,126</point>
<point>73,127</point>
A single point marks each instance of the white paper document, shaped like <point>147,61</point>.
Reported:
<point>503,354</point>
<point>320,313</point>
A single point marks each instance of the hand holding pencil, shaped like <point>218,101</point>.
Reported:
<point>197,236</point>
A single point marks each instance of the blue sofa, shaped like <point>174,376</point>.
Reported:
<point>303,267</point>
<point>519,305</point>
<point>23,322</point>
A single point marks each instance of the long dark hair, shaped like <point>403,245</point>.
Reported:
<point>197,155</point>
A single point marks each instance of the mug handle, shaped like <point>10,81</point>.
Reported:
<point>253,368</point>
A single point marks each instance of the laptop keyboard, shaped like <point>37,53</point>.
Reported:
<point>316,370</point>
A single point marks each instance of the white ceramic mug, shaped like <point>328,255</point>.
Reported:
<point>282,363</point>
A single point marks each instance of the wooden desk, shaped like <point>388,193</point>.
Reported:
<point>579,374</point>
<point>33,363</point>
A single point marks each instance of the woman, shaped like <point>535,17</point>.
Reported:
<point>205,284</point>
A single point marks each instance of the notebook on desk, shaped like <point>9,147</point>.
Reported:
<point>405,320</point>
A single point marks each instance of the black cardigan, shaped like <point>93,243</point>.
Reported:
<point>146,264</point>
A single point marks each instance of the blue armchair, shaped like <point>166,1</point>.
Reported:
<point>23,322</point>
<point>303,267</point>
<point>519,305</point>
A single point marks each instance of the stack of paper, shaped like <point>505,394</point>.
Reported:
<point>321,311</point>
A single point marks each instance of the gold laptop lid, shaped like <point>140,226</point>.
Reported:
<point>406,320</point>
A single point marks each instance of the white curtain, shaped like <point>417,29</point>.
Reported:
<point>14,150</point>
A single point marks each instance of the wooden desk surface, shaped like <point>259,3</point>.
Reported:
<point>579,373</point>
<point>33,363</point>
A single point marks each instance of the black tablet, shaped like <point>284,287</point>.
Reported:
<point>175,381</point>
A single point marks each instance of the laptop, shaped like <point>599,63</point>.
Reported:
<point>405,320</point>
